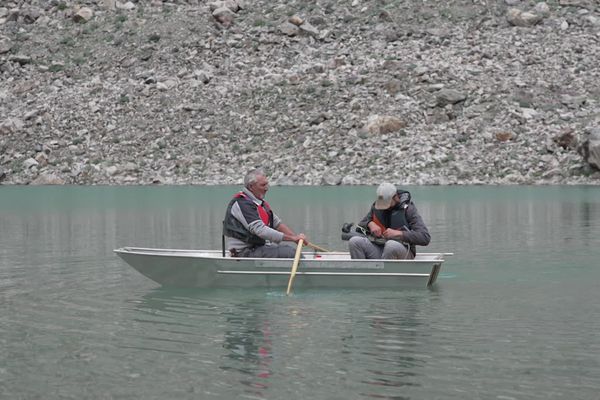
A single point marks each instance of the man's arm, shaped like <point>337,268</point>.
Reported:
<point>247,213</point>
<point>366,219</point>
<point>289,234</point>
<point>418,233</point>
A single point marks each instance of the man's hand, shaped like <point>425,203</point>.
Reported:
<point>390,233</point>
<point>296,238</point>
<point>290,235</point>
<point>374,228</point>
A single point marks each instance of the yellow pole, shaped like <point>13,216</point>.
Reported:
<point>314,246</point>
<point>295,265</point>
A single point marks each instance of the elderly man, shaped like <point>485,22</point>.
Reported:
<point>394,218</point>
<point>251,229</point>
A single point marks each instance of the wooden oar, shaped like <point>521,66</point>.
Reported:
<point>314,246</point>
<point>295,265</point>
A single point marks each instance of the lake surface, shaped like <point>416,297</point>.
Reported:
<point>515,313</point>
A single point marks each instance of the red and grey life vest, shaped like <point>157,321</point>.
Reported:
<point>234,228</point>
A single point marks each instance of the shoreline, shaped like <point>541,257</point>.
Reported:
<point>332,93</point>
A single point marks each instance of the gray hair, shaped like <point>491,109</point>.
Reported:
<point>252,176</point>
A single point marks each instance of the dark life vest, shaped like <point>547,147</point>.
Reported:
<point>394,218</point>
<point>234,228</point>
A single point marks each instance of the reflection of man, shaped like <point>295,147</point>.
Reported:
<point>395,220</point>
<point>251,228</point>
<point>248,339</point>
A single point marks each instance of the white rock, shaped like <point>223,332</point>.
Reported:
<point>83,14</point>
<point>594,148</point>
<point>542,9</point>
<point>48,179</point>
<point>528,113</point>
<point>522,18</point>
<point>594,21</point>
<point>125,6</point>
<point>30,162</point>
<point>5,44</point>
<point>111,171</point>
<point>109,4</point>
<point>224,15</point>
<point>11,125</point>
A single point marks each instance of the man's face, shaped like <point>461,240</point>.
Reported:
<point>260,187</point>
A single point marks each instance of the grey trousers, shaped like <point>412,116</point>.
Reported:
<point>269,251</point>
<point>363,248</point>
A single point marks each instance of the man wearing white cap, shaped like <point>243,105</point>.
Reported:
<point>395,222</point>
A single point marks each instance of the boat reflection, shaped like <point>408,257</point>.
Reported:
<point>370,346</point>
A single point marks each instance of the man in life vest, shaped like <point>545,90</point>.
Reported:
<point>394,218</point>
<point>250,227</point>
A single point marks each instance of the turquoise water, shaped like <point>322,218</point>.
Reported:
<point>515,313</point>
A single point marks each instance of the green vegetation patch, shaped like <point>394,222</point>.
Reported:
<point>56,68</point>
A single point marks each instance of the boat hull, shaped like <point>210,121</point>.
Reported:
<point>209,269</point>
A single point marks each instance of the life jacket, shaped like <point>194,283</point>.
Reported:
<point>234,228</point>
<point>395,217</point>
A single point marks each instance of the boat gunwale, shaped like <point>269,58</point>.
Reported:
<point>206,254</point>
<point>328,273</point>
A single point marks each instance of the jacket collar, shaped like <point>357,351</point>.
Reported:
<point>251,196</point>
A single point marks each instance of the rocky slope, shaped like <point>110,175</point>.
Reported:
<point>316,91</point>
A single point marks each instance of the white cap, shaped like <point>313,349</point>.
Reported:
<point>385,193</point>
